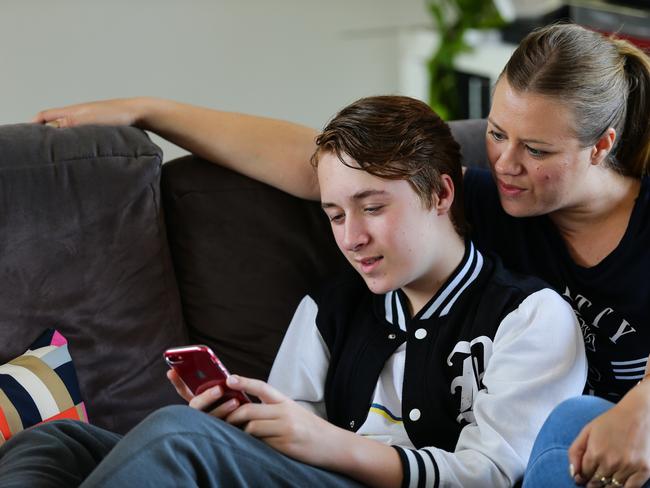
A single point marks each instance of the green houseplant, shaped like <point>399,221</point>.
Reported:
<point>451,20</point>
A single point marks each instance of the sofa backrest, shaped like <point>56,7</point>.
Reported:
<point>245,254</point>
<point>470,134</point>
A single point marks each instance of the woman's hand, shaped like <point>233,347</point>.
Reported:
<point>205,400</point>
<point>125,111</point>
<point>615,447</point>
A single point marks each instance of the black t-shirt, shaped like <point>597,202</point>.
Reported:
<point>611,299</point>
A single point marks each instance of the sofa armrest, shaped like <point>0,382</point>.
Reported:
<point>83,249</point>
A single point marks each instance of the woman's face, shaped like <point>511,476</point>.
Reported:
<point>538,164</point>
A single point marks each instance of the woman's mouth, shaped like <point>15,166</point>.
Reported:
<point>509,190</point>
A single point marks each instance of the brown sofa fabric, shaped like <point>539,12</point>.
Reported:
<point>245,254</point>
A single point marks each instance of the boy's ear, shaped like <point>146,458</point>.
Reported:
<point>445,197</point>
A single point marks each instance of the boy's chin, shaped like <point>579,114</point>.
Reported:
<point>378,287</point>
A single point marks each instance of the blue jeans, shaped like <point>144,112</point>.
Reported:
<point>549,460</point>
<point>175,446</point>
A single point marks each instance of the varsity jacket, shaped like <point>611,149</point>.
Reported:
<point>460,389</point>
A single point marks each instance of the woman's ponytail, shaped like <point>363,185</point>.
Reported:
<point>634,149</point>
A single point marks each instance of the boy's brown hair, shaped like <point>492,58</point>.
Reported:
<point>398,138</point>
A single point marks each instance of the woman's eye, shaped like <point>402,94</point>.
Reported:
<point>497,136</point>
<point>535,152</point>
<point>336,219</point>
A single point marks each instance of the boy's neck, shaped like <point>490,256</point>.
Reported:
<point>424,289</point>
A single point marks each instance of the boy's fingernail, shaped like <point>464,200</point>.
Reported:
<point>233,380</point>
<point>216,391</point>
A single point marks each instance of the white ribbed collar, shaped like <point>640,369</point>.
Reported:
<point>441,303</point>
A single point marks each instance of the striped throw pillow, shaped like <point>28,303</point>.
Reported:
<point>39,386</point>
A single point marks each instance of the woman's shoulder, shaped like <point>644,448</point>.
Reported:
<point>480,194</point>
<point>479,178</point>
<point>644,193</point>
<point>639,224</point>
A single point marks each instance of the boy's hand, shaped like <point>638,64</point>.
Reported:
<point>284,424</point>
<point>205,399</point>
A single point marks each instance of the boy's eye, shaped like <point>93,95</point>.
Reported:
<point>374,209</point>
<point>497,136</point>
<point>336,218</point>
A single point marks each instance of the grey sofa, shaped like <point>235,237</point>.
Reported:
<point>127,256</point>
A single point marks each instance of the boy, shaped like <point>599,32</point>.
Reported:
<point>430,365</point>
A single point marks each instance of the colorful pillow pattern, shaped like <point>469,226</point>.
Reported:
<point>39,386</point>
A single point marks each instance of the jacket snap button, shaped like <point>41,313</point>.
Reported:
<point>420,333</point>
<point>352,424</point>
<point>414,415</point>
<point>392,336</point>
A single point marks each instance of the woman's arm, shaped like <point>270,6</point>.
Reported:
<point>273,151</point>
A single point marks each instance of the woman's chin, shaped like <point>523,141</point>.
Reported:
<point>518,208</point>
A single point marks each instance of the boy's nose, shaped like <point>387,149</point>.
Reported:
<point>355,236</point>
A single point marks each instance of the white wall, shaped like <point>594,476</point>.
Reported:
<point>294,59</point>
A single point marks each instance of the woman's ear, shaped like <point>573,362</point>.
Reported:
<point>445,197</point>
<point>603,146</point>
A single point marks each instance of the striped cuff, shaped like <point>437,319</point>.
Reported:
<point>419,468</point>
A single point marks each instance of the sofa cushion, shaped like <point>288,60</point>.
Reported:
<point>245,254</point>
<point>39,386</point>
<point>83,247</point>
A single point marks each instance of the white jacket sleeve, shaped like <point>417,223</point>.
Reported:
<point>300,367</point>
<point>538,360</point>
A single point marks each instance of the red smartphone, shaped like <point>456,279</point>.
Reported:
<point>200,369</point>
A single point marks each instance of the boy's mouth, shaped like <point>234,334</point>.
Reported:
<point>369,264</point>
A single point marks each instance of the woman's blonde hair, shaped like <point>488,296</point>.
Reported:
<point>605,81</point>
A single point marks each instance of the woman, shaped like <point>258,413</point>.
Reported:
<point>569,146</point>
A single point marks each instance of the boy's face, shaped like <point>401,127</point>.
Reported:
<point>384,230</point>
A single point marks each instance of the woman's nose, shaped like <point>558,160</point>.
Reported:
<point>507,162</point>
